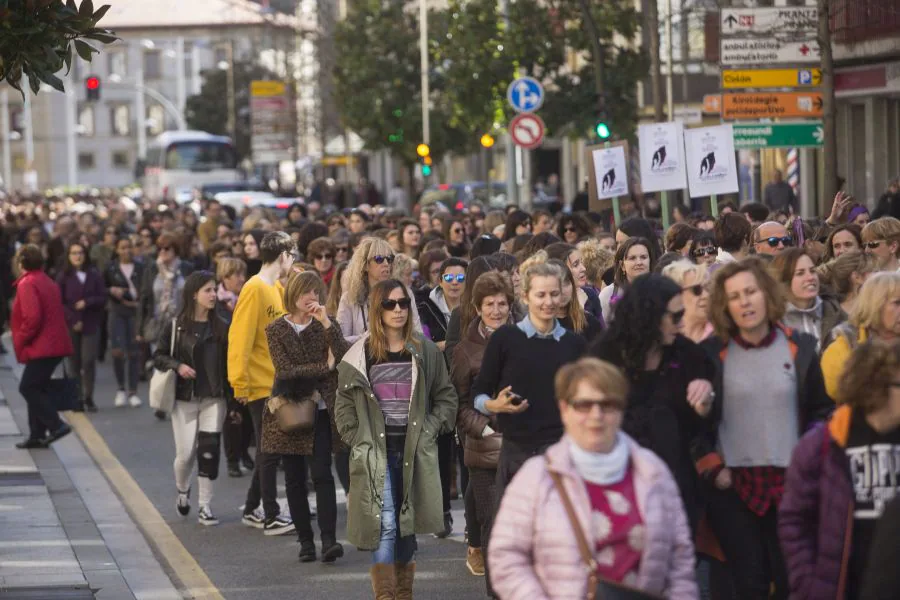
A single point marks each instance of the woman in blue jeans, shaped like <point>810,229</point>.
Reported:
<point>123,282</point>
<point>394,399</point>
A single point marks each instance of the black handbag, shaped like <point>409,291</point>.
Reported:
<point>64,392</point>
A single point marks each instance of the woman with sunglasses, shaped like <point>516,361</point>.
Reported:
<point>371,263</point>
<point>669,376</point>
<point>600,485</point>
<point>84,300</point>
<point>768,390</point>
<point>320,252</point>
<point>704,249</point>
<point>455,234</point>
<point>634,257</point>
<point>693,279</point>
<point>572,229</point>
<point>394,399</point>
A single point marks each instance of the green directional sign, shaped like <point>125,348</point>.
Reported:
<point>778,135</point>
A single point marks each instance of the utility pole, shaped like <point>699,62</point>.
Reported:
<point>829,147</point>
<point>180,77</point>
<point>670,60</point>
<point>423,52</point>
<point>139,108</point>
<point>229,82</point>
<point>652,24</point>
<point>512,182</point>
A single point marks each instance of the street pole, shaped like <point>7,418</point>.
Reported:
<point>195,69</point>
<point>512,188</point>
<point>4,131</point>
<point>71,158</point>
<point>423,52</point>
<point>29,132</point>
<point>829,147</point>
<point>139,107</point>
<point>180,78</point>
<point>670,96</point>
<point>229,81</point>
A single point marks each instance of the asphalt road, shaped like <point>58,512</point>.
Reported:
<point>242,562</point>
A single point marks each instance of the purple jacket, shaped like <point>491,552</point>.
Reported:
<point>92,291</point>
<point>815,519</point>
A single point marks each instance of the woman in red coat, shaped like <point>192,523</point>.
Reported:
<point>41,340</point>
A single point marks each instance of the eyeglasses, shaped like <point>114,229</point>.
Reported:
<point>323,256</point>
<point>448,277</point>
<point>697,289</point>
<point>708,251</point>
<point>774,241</point>
<point>380,259</point>
<point>403,303</point>
<point>607,406</point>
<point>570,230</point>
<point>873,245</point>
<point>677,316</point>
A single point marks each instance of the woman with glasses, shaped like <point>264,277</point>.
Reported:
<point>455,234</point>
<point>596,484</point>
<point>518,222</point>
<point>320,253</point>
<point>201,390</point>
<point>846,470</point>
<point>436,306</point>
<point>572,229</point>
<point>84,300</point>
<point>768,391</point>
<point>371,263</point>
<point>881,239</point>
<point>634,257</point>
<point>693,279</point>
<point>669,376</point>
<point>123,280</point>
<point>394,400</point>
<point>341,242</point>
<point>704,250</point>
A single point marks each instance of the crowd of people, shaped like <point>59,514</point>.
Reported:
<point>708,411</point>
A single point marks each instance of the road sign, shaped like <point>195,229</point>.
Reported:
<point>271,130</point>
<point>525,94</point>
<point>778,135</point>
<point>770,106</point>
<point>770,78</point>
<point>712,104</point>
<point>527,131</point>
<point>790,21</point>
<point>764,51</point>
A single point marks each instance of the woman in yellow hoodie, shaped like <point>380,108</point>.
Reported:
<point>876,314</point>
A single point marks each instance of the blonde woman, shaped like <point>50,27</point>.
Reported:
<point>845,275</point>
<point>404,267</point>
<point>597,261</point>
<point>693,279</point>
<point>372,262</point>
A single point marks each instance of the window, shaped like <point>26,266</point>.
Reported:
<point>121,160</point>
<point>120,119</point>
<point>156,119</point>
<point>86,120</point>
<point>152,66</point>
<point>117,63</point>
<point>86,160</point>
<point>200,156</point>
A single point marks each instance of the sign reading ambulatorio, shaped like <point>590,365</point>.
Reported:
<point>763,51</point>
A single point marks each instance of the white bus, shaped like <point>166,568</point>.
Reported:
<point>187,159</point>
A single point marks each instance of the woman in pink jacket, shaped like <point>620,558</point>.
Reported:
<point>625,500</point>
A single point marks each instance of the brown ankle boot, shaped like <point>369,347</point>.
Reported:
<point>405,575</point>
<point>383,581</point>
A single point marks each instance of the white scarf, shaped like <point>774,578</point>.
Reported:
<point>601,469</point>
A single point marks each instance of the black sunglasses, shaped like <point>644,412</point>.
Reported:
<point>774,241</point>
<point>322,256</point>
<point>606,406</point>
<point>872,245</point>
<point>380,259</point>
<point>403,303</point>
<point>697,289</point>
<point>708,251</point>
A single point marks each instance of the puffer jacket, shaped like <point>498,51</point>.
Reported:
<point>38,321</point>
<point>479,452</point>
<point>185,343</point>
<point>360,423</point>
<point>815,519</point>
<point>533,554</point>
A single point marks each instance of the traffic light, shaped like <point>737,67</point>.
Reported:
<point>426,166</point>
<point>602,130</point>
<point>487,140</point>
<point>92,87</point>
<point>423,150</point>
<point>601,125</point>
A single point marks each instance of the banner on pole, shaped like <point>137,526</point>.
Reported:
<point>711,167</point>
<point>662,156</point>
<point>610,171</point>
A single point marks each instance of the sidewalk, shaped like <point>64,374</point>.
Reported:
<point>64,533</point>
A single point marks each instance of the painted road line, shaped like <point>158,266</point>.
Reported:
<point>167,545</point>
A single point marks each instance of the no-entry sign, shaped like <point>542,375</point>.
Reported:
<point>527,131</point>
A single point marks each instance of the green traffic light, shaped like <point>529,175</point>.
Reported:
<point>602,130</point>
<point>426,170</point>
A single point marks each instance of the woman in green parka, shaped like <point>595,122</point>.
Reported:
<point>394,399</point>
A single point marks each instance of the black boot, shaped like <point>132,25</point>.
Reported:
<point>331,550</point>
<point>307,551</point>
<point>247,462</point>
<point>89,405</point>
<point>234,469</point>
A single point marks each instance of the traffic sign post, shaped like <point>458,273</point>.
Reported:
<point>525,94</point>
<point>778,135</point>
<point>733,79</point>
<point>527,131</point>
<point>771,106</point>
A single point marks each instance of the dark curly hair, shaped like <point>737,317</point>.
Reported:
<point>635,330</point>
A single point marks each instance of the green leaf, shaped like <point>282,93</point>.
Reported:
<point>98,14</point>
<point>85,50</point>
<point>53,81</point>
<point>86,10</point>
<point>34,82</point>
<point>68,59</point>
<point>104,38</point>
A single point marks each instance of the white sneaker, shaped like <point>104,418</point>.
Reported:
<point>121,398</point>
<point>206,517</point>
<point>134,400</point>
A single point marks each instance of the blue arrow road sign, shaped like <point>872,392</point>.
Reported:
<point>525,94</point>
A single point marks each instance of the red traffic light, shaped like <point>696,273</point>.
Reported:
<point>92,83</point>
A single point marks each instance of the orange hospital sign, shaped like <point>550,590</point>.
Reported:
<point>770,106</point>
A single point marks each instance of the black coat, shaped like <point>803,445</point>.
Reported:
<point>431,317</point>
<point>185,342</point>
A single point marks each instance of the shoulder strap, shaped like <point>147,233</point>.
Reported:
<point>586,555</point>
<point>172,341</point>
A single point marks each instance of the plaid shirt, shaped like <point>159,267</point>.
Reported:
<point>760,488</point>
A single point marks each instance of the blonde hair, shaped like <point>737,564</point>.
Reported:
<point>604,376</point>
<point>839,272</point>
<point>885,228</point>
<point>377,342</point>
<point>336,290</point>
<point>878,289</point>
<point>402,262</point>
<point>492,220</point>
<point>536,265</point>
<point>357,271</point>
<point>596,259</point>
<point>680,269</point>
<point>228,266</point>
<point>299,284</point>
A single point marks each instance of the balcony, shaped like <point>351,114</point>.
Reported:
<point>854,21</point>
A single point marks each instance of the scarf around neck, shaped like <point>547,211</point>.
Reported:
<point>598,468</point>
